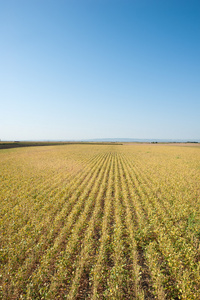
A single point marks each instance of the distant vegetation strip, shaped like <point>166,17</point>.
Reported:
<point>8,145</point>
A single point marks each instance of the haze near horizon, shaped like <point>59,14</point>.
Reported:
<point>77,70</point>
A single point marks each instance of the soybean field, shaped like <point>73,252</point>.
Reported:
<point>100,222</point>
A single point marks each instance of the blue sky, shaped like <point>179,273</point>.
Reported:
<point>99,69</point>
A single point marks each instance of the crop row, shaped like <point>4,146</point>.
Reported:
<point>104,222</point>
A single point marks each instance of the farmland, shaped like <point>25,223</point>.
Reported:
<point>100,222</point>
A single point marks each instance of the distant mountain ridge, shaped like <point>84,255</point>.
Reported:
<point>113,140</point>
<point>129,140</point>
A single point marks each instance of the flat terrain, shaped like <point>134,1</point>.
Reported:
<point>100,222</point>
